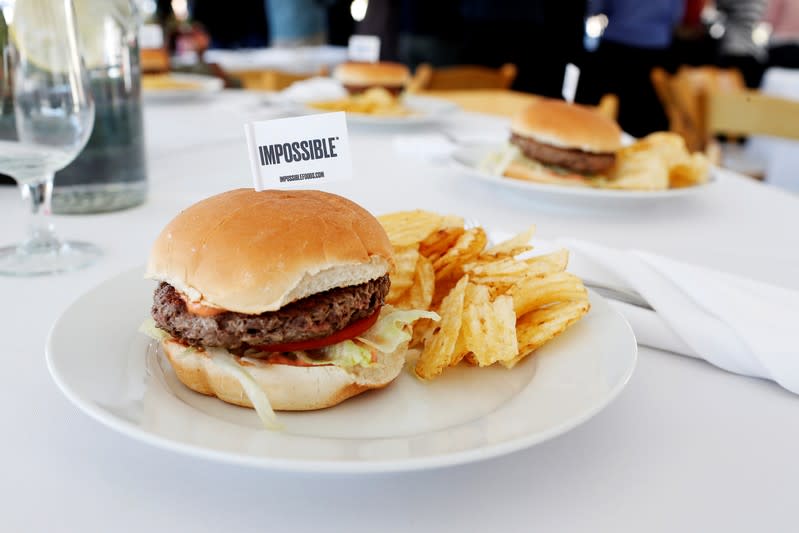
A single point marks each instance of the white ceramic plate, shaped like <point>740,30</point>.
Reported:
<point>201,86</point>
<point>119,377</point>
<point>425,111</point>
<point>467,160</point>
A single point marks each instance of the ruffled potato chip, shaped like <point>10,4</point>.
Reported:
<point>437,352</point>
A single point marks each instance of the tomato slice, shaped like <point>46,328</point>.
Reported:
<point>352,330</point>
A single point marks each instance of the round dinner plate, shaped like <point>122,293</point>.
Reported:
<point>424,110</point>
<point>197,86</point>
<point>467,159</point>
<point>119,377</point>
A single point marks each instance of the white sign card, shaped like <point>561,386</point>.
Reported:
<point>299,152</point>
<point>570,80</point>
<point>151,36</point>
<point>364,48</point>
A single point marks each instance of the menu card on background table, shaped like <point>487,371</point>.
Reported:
<point>364,48</point>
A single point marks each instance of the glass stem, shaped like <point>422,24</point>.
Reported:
<point>41,233</point>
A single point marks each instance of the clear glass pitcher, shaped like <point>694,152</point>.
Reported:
<point>110,173</point>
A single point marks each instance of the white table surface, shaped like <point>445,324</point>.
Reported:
<point>686,447</point>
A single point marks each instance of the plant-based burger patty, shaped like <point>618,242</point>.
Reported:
<point>395,90</point>
<point>313,317</point>
<point>569,158</point>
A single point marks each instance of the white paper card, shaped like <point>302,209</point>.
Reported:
<point>570,80</point>
<point>151,36</point>
<point>299,152</point>
<point>364,48</point>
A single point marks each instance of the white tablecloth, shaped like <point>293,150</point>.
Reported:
<point>686,447</point>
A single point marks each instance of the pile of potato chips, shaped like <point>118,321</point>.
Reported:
<point>495,306</point>
<point>375,101</point>
<point>658,161</point>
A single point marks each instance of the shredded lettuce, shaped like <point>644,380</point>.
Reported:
<point>495,163</point>
<point>255,393</point>
<point>386,335</point>
<point>348,354</point>
<point>149,328</point>
<point>389,331</point>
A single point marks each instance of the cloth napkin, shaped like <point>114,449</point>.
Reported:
<point>432,146</point>
<point>310,90</point>
<point>737,324</point>
<point>438,145</point>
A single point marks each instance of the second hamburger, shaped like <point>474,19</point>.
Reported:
<point>562,143</point>
<point>359,77</point>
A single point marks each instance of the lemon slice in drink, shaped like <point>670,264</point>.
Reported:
<point>39,30</point>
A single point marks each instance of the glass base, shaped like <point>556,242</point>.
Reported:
<point>67,256</point>
<point>97,198</point>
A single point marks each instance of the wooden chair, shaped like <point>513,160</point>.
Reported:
<point>683,98</point>
<point>609,106</point>
<point>704,104</point>
<point>750,112</point>
<point>272,80</point>
<point>427,78</point>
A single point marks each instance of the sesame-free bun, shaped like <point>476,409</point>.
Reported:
<point>289,388</point>
<point>384,74</point>
<point>252,252</point>
<point>566,125</point>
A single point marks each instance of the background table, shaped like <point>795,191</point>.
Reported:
<point>686,447</point>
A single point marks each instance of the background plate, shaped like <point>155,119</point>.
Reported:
<point>201,86</point>
<point>467,160</point>
<point>426,111</point>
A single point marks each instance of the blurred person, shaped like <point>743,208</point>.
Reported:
<point>783,15</point>
<point>692,43</point>
<point>242,26</point>
<point>636,40</point>
<point>294,23</point>
<point>340,24</point>
<point>429,33</point>
<point>539,36</point>
<point>737,47</point>
<point>383,20</point>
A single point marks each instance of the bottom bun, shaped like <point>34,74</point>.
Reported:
<point>529,170</point>
<point>289,388</point>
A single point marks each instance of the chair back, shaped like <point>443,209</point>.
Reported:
<point>272,80</point>
<point>427,78</point>
<point>683,96</point>
<point>750,113</point>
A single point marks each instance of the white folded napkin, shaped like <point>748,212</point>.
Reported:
<point>435,146</point>
<point>738,324</point>
<point>438,145</point>
<point>311,90</point>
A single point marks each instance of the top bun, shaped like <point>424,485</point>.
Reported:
<point>565,125</point>
<point>252,252</point>
<point>383,74</point>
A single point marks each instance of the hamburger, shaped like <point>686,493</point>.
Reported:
<point>359,77</point>
<point>276,300</point>
<point>562,143</point>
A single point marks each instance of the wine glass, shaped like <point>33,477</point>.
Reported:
<point>46,116</point>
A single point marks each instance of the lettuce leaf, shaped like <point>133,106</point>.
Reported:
<point>149,328</point>
<point>389,332</point>
<point>254,392</point>
<point>495,163</point>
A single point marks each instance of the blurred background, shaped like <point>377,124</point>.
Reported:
<point>616,43</point>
